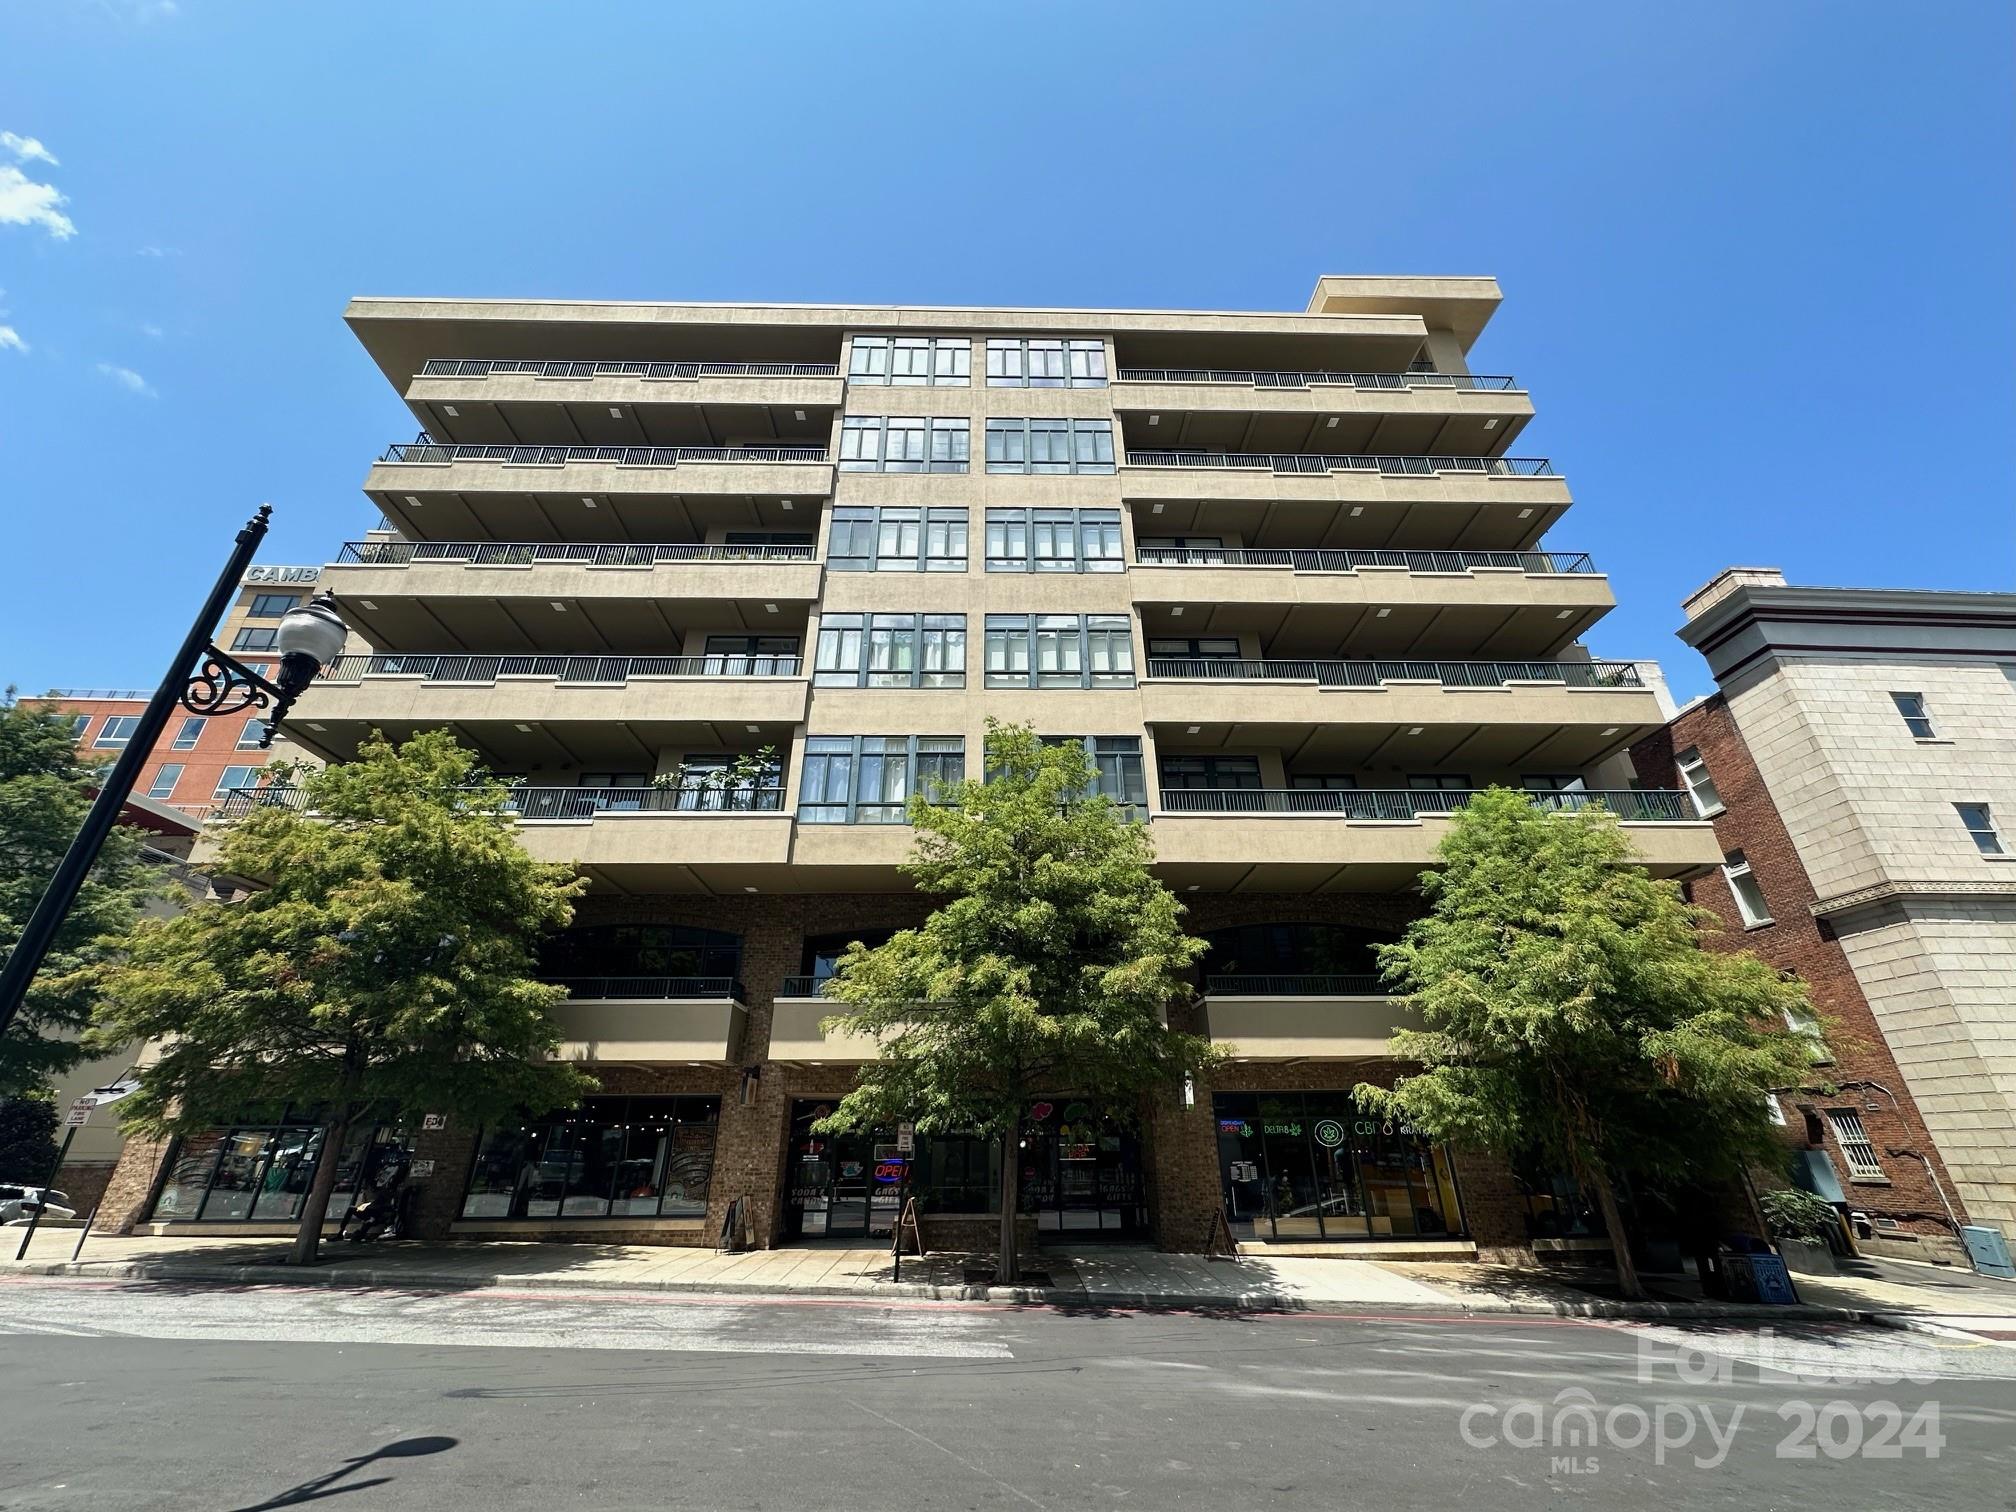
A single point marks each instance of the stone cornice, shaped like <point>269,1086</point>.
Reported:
<point>1885,892</point>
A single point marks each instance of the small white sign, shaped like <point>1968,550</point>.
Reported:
<point>422,1168</point>
<point>906,1137</point>
<point>79,1114</point>
<point>433,1121</point>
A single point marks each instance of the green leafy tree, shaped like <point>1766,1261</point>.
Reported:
<point>1047,966</point>
<point>384,971</point>
<point>45,790</point>
<point>28,1137</point>
<point>1569,1009</point>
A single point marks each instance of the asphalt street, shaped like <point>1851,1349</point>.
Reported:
<point>131,1397</point>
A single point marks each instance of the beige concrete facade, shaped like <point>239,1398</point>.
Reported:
<point>635,539</point>
<point>1925,915</point>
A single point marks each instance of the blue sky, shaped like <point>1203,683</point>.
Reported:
<point>1756,257</point>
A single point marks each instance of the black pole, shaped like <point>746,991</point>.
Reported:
<point>35,1218</point>
<point>49,914</point>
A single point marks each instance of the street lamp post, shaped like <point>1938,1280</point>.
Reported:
<point>203,679</point>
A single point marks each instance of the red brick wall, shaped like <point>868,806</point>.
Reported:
<point>1863,1070</point>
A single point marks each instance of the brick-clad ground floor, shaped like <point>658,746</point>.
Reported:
<point>735,1120</point>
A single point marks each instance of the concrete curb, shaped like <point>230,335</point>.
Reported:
<point>1074,1298</point>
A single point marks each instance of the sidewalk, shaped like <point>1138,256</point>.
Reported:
<point>1086,1277</point>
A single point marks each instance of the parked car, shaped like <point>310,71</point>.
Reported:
<point>18,1203</point>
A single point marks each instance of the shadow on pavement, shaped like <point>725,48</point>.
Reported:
<point>323,1486</point>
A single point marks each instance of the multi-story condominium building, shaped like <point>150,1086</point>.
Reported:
<point>1858,762</point>
<point>1281,574</point>
<point>198,759</point>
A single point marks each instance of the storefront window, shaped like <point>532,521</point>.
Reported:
<point>261,1173</point>
<point>613,1157</point>
<point>1311,1165</point>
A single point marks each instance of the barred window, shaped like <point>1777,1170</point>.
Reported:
<point>1855,1143</point>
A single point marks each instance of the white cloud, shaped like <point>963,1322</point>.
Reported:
<point>23,202</point>
<point>10,340</point>
<point>148,328</point>
<point>127,379</point>
<point>153,251</point>
<point>26,149</point>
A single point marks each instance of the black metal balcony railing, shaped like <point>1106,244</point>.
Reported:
<point>425,450</point>
<point>802,986</point>
<point>1370,674</point>
<point>1328,462</point>
<point>651,987</point>
<point>1350,559</point>
<point>1315,378</point>
<point>1293,986</point>
<point>484,367</point>
<point>586,803</point>
<point>576,553</point>
<point>460,668</point>
<point>1404,805</point>
<point>236,803</point>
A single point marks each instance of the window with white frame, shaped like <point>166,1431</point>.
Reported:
<point>190,731</point>
<point>117,730</point>
<point>1054,540</point>
<point>1694,772</point>
<point>1980,823</point>
<point>1911,709</point>
<point>911,361</point>
<point>165,778</point>
<point>1060,651</point>
<point>79,723</point>
<point>1855,1143</point>
<point>1774,1109</point>
<point>891,651</point>
<point>235,777</point>
<point>1807,1027</point>
<point>253,736</point>
<point>904,443</point>
<point>868,779</point>
<point>1744,889</point>
<point>1050,446</point>
<point>897,539</point>
<point>1045,362</point>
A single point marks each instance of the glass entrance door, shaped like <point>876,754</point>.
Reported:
<point>840,1186</point>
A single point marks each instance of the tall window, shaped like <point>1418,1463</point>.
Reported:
<point>1059,651</point>
<point>165,778</point>
<point>1911,708</point>
<point>1045,362</point>
<point>1807,1027</point>
<point>1855,1143</point>
<point>896,443</point>
<point>1116,765</point>
<point>117,730</point>
<point>1744,889</point>
<point>891,651</point>
<point>1049,446</point>
<point>189,733</point>
<point>751,656</point>
<point>253,733</point>
<point>889,539</point>
<point>911,361</point>
<point>868,779</point>
<point>1694,772</point>
<point>1054,540</point>
<point>271,605</point>
<point>1980,823</point>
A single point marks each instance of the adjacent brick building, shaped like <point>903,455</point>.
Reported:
<point>1857,764</point>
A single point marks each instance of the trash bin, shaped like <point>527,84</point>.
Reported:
<point>1988,1250</point>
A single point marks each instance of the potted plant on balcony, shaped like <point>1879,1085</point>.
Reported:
<point>738,783</point>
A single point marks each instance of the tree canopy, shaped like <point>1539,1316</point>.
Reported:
<point>1569,1009</point>
<point>1047,965</point>
<point>385,968</point>
<point>45,790</point>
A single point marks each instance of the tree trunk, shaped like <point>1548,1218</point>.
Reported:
<point>1613,1221</point>
<point>308,1238</point>
<point>1008,1269</point>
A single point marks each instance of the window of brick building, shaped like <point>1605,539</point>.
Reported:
<point>1694,772</point>
<point>1743,887</point>
<point>1854,1142</point>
